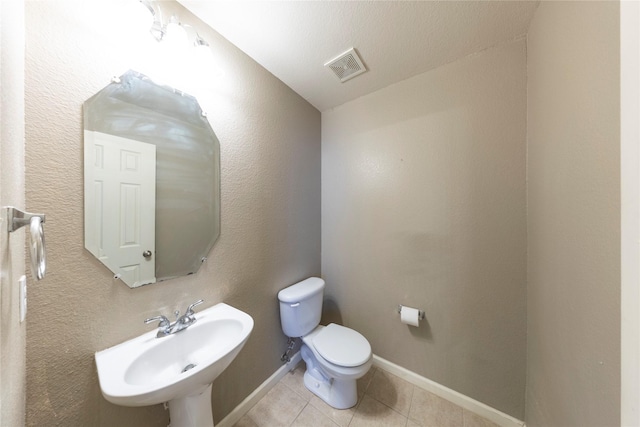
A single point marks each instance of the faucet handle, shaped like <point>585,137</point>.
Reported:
<point>164,327</point>
<point>164,322</point>
<point>189,310</point>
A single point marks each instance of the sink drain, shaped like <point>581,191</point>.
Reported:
<point>188,367</point>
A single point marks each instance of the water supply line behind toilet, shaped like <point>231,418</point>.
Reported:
<point>286,357</point>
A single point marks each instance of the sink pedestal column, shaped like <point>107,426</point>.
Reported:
<point>192,411</point>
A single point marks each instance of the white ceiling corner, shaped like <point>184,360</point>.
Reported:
<point>395,39</point>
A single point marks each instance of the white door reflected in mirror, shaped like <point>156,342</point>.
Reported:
<point>120,205</point>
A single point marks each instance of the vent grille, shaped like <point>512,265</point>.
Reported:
<point>347,65</point>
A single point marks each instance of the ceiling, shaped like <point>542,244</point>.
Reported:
<point>395,39</point>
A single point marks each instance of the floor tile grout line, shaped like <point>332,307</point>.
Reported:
<point>413,390</point>
<point>296,417</point>
<point>388,406</point>
<point>355,409</point>
<point>328,416</point>
<point>393,409</point>
<point>298,394</point>
<point>359,400</point>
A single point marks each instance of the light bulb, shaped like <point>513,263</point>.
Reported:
<point>144,13</point>
<point>176,35</point>
<point>136,17</point>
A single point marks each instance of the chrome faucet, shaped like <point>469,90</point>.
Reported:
<point>165,327</point>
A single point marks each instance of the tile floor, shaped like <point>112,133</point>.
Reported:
<point>384,400</point>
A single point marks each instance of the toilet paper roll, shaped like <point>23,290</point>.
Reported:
<point>410,316</point>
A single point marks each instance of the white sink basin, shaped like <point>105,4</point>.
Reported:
<point>148,370</point>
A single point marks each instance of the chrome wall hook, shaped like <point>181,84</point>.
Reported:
<point>17,219</point>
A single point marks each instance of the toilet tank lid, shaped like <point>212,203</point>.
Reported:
<point>301,290</point>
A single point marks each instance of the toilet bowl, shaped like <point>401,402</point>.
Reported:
<point>334,380</point>
<point>336,356</point>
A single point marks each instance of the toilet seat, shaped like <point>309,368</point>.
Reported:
<point>342,346</point>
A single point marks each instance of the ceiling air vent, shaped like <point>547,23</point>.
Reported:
<point>346,66</point>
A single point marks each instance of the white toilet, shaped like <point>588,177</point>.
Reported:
<point>335,356</point>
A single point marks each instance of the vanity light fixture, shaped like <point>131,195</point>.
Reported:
<point>179,47</point>
<point>161,30</point>
<point>175,33</point>
<point>148,6</point>
<point>157,29</point>
<point>193,34</point>
<point>199,42</point>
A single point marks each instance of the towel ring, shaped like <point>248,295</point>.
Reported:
<point>38,253</point>
<point>17,219</point>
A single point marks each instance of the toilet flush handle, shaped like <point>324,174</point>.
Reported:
<point>295,305</point>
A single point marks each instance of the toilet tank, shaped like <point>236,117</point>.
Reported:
<point>301,307</point>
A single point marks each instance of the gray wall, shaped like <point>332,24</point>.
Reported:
<point>573,354</point>
<point>424,204</point>
<point>270,148</point>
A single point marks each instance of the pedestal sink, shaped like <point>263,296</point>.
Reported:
<point>179,368</point>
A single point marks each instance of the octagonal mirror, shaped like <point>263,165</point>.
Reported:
<point>151,180</point>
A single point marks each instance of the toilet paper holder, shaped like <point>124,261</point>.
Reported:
<point>420,312</point>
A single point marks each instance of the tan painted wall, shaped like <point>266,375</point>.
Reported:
<point>270,144</point>
<point>12,261</point>
<point>423,204</point>
<point>573,355</point>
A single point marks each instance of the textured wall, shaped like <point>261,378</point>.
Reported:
<point>573,355</point>
<point>12,261</point>
<point>423,204</point>
<point>270,160</point>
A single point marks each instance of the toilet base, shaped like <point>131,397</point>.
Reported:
<point>337,393</point>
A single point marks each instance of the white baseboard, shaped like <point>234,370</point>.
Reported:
<point>459,399</point>
<point>453,396</point>
<point>244,406</point>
